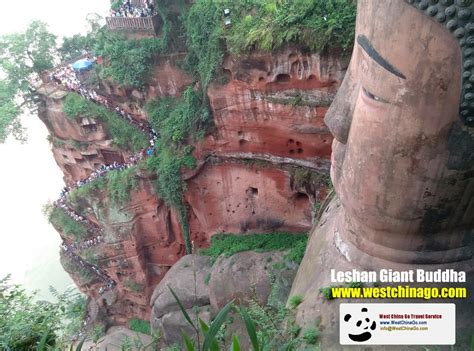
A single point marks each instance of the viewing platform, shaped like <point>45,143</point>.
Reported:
<point>150,25</point>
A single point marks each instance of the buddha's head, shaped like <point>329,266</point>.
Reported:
<point>403,122</point>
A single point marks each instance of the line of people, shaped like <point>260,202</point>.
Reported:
<point>92,228</point>
<point>88,243</point>
<point>67,77</point>
<point>108,283</point>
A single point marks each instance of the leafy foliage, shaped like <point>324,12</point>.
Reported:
<point>68,226</point>
<point>120,184</point>
<point>9,112</point>
<point>73,47</point>
<point>26,324</point>
<point>263,25</point>
<point>270,25</point>
<point>87,189</point>
<point>295,300</point>
<point>204,32</point>
<point>23,56</point>
<point>76,106</point>
<point>123,134</point>
<point>327,292</point>
<point>167,166</point>
<point>140,326</point>
<point>179,119</point>
<point>117,184</point>
<point>268,328</point>
<point>311,335</point>
<point>209,332</point>
<point>230,244</point>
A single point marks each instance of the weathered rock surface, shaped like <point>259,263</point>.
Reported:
<point>188,279</point>
<point>250,276</point>
<point>275,103</point>
<point>173,324</point>
<point>203,287</point>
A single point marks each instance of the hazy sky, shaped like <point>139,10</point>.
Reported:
<point>29,176</point>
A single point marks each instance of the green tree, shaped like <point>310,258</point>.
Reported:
<point>73,47</point>
<point>23,57</point>
<point>25,323</point>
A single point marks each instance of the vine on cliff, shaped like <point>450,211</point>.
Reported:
<point>179,121</point>
<point>204,32</point>
<point>169,184</point>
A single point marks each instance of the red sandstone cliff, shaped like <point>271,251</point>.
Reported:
<point>251,175</point>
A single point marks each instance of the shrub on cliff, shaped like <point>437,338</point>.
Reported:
<point>68,226</point>
<point>76,106</point>
<point>117,185</point>
<point>140,326</point>
<point>178,119</point>
<point>270,25</point>
<point>123,134</point>
<point>230,244</point>
<point>120,184</point>
<point>169,184</point>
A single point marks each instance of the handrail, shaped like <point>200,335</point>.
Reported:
<point>134,23</point>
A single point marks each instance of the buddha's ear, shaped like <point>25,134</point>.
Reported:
<point>457,19</point>
<point>339,116</point>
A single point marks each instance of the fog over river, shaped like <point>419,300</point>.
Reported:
<point>29,176</point>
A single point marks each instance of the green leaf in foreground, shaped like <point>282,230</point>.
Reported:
<point>187,342</point>
<point>235,343</point>
<point>183,310</point>
<point>215,326</point>
<point>251,330</point>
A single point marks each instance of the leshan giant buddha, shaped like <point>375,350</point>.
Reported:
<point>402,158</point>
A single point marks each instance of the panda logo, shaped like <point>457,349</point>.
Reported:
<point>360,326</point>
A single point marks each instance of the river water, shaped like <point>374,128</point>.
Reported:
<point>29,176</point>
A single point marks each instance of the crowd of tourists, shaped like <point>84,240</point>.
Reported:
<point>102,171</point>
<point>67,77</point>
<point>108,283</point>
<point>127,9</point>
<point>92,228</point>
<point>88,243</point>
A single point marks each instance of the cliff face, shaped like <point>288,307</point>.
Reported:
<point>263,168</point>
<point>275,104</point>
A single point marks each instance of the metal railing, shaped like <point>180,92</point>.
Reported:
<point>147,24</point>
